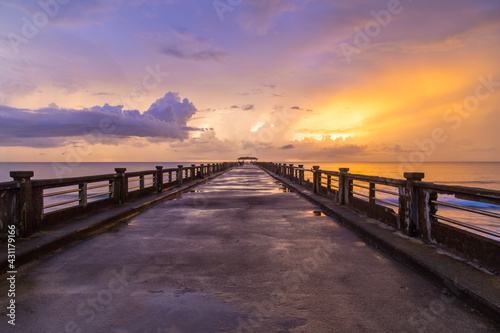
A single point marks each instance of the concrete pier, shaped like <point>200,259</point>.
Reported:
<point>240,253</point>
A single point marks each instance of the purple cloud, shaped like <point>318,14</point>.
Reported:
<point>165,119</point>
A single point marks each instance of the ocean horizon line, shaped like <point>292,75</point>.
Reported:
<point>276,161</point>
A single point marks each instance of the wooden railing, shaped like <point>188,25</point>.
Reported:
<point>33,205</point>
<point>412,207</point>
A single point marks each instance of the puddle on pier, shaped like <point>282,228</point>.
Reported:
<point>317,212</point>
<point>282,188</point>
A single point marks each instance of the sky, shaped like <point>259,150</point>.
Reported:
<point>283,80</point>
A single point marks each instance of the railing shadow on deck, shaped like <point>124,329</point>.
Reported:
<point>410,206</point>
<point>32,205</point>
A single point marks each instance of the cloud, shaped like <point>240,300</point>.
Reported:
<point>206,147</point>
<point>259,16</point>
<point>70,12</point>
<point>325,131</point>
<point>49,127</point>
<point>248,107</point>
<point>10,89</point>
<point>287,147</point>
<point>255,91</point>
<point>181,44</point>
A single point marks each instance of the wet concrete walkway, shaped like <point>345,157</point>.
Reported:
<point>237,254</point>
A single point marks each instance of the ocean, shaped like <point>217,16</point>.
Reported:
<point>475,174</point>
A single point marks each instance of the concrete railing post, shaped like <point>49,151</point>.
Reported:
<point>301,174</point>
<point>29,204</point>
<point>193,171</point>
<point>159,178</point>
<point>82,194</point>
<point>202,170</point>
<point>121,186</point>
<point>290,173</point>
<point>179,175</point>
<point>372,193</point>
<point>316,179</point>
<point>411,221</point>
<point>345,186</point>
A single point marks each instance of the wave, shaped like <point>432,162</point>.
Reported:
<point>470,204</point>
<point>460,202</point>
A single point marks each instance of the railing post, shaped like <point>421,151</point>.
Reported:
<point>25,217</point>
<point>193,171</point>
<point>159,178</point>
<point>82,194</point>
<point>179,175</point>
<point>141,182</point>
<point>425,214</point>
<point>202,170</point>
<point>328,183</point>
<point>371,193</point>
<point>170,176</point>
<point>290,173</point>
<point>410,224</point>
<point>316,179</point>
<point>121,186</point>
<point>344,186</point>
<point>301,174</point>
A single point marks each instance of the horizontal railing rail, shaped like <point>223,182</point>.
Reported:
<point>435,213</point>
<point>33,204</point>
<point>462,195</point>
